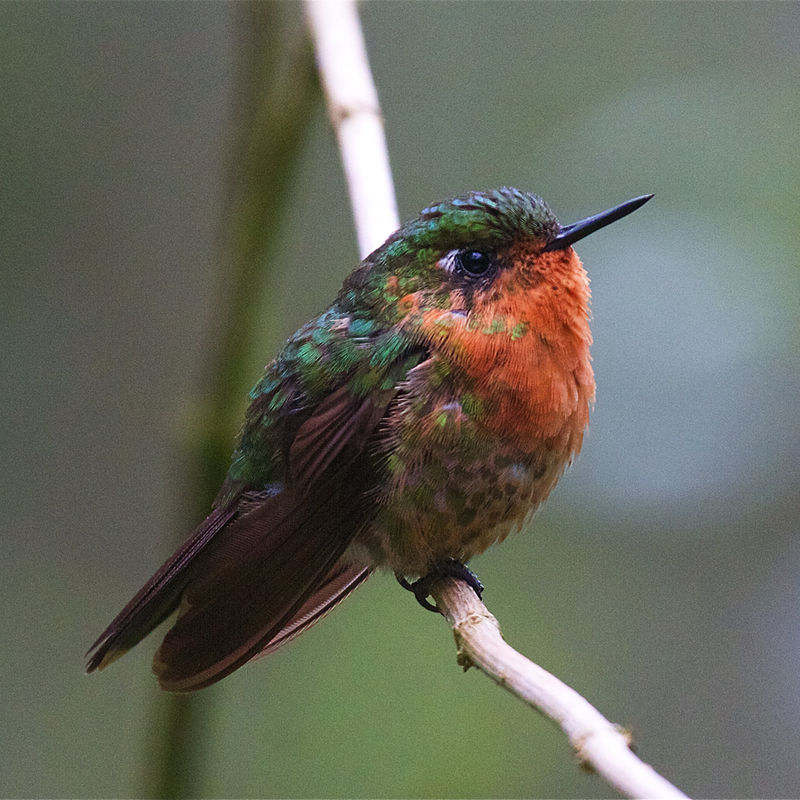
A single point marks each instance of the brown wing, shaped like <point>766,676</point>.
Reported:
<point>276,568</point>
<point>340,581</point>
<point>269,561</point>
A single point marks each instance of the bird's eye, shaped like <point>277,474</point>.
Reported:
<point>475,263</point>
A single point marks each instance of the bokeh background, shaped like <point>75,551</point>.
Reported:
<point>661,579</point>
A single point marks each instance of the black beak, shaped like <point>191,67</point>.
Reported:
<point>570,234</point>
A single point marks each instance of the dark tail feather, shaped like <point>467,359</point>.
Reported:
<point>269,574</point>
<point>340,582</point>
<point>157,598</point>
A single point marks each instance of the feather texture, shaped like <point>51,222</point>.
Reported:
<point>268,561</point>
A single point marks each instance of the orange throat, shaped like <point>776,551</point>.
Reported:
<point>524,349</point>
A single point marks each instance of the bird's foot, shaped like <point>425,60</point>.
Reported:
<point>449,568</point>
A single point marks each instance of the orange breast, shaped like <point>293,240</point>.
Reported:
<point>525,349</point>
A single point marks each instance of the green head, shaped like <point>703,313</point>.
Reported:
<point>462,245</point>
<point>491,218</point>
<point>415,258</point>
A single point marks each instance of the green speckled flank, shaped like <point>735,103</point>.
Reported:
<point>473,406</point>
<point>321,356</point>
<point>439,372</point>
<point>361,327</point>
<point>388,347</point>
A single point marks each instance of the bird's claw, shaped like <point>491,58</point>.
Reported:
<point>450,568</point>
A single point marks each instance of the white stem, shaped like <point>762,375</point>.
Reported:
<point>356,116</point>
<point>599,744</point>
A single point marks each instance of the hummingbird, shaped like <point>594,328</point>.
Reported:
<point>418,420</point>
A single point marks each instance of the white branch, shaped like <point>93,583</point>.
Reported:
<point>355,114</point>
<point>599,744</point>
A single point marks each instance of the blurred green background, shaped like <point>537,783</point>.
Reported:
<point>661,579</point>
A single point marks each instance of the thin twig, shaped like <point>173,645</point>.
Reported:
<point>355,114</point>
<point>599,744</point>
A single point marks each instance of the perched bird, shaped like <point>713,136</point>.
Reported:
<point>415,422</point>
